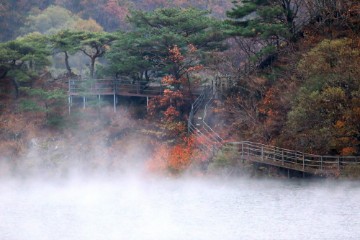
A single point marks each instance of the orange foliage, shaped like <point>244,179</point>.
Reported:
<point>195,68</point>
<point>179,158</point>
<point>191,48</point>
<point>348,151</point>
<point>174,159</point>
<point>339,124</point>
<point>175,54</point>
<point>171,104</point>
<point>169,80</point>
<point>171,113</point>
<point>158,162</point>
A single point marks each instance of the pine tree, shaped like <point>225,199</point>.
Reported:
<point>147,47</point>
<point>272,21</point>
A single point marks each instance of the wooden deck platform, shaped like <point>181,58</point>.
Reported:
<point>86,88</point>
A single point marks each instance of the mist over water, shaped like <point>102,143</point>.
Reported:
<point>146,207</point>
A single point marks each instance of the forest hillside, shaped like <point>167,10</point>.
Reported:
<point>285,73</point>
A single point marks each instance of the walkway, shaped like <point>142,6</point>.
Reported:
<point>210,142</point>
<point>289,159</point>
<point>114,87</point>
<point>87,88</point>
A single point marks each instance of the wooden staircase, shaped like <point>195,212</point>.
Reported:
<point>208,140</point>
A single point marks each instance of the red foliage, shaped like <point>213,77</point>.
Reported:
<point>177,158</point>
<point>113,8</point>
<point>170,105</point>
<point>171,114</point>
<point>175,54</point>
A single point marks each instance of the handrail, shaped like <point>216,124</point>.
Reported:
<point>196,105</point>
<point>115,86</point>
<point>292,159</point>
<point>216,136</point>
<point>210,140</point>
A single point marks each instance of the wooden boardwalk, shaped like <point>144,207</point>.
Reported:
<point>210,142</point>
<point>90,88</point>
<point>289,159</point>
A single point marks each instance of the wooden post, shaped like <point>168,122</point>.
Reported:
<point>321,162</point>
<point>114,103</point>
<point>338,163</point>
<point>282,157</point>
<point>242,152</point>
<point>262,153</point>
<point>69,104</point>
<point>303,162</point>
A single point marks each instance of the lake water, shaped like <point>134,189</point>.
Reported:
<point>161,208</point>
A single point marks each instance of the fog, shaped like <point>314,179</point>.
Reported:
<point>140,206</point>
<point>84,187</point>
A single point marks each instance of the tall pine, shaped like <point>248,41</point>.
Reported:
<point>267,20</point>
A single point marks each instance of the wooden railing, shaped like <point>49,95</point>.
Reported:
<point>83,87</point>
<point>207,138</point>
<point>300,161</point>
<point>91,86</point>
<point>138,88</point>
<point>111,86</point>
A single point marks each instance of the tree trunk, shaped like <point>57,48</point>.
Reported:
<point>16,87</point>
<point>3,73</point>
<point>67,63</point>
<point>92,67</point>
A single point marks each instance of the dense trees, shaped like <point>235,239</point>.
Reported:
<point>325,116</point>
<point>64,42</point>
<point>311,107</point>
<point>308,100</point>
<point>110,14</point>
<point>154,33</point>
<point>54,19</point>
<point>23,57</point>
<point>93,45</point>
<point>47,101</point>
<point>268,23</point>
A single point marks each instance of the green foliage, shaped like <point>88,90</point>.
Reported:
<point>94,45</point>
<point>351,172</point>
<point>254,18</point>
<point>224,159</point>
<point>23,58</point>
<point>30,106</point>
<point>126,57</point>
<point>146,49</point>
<point>240,11</point>
<point>54,19</point>
<point>46,101</point>
<point>326,113</point>
<point>65,40</point>
<point>228,161</point>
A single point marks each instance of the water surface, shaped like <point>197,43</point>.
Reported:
<point>160,208</point>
